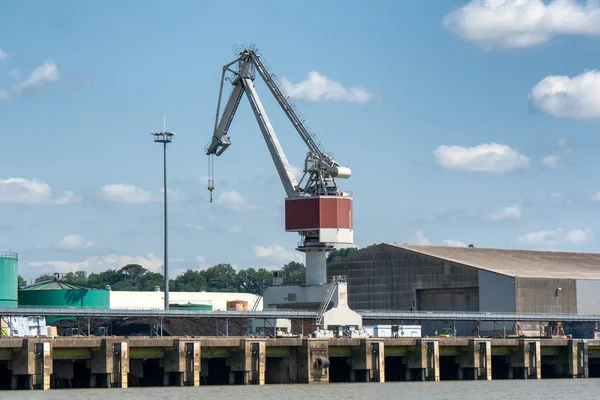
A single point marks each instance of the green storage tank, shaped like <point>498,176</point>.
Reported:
<point>191,306</point>
<point>55,293</point>
<point>9,279</point>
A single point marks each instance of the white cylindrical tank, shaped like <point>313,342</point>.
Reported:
<point>340,172</point>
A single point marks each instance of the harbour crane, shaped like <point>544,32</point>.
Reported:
<point>315,207</point>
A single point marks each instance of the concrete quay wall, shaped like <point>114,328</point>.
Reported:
<point>121,362</point>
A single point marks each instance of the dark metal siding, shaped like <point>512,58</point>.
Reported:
<point>540,295</point>
<point>384,277</point>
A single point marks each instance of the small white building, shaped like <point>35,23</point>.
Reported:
<point>393,330</point>
<point>124,300</point>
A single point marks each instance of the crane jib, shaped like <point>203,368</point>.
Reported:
<point>318,180</point>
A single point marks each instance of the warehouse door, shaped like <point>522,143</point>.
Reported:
<point>451,299</point>
<point>463,299</point>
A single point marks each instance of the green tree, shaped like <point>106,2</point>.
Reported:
<point>126,285</point>
<point>221,278</point>
<point>150,280</point>
<point>21,282</point>
<point>263,276</point>
<point>293,269</point>
<point>76,278</point>
<point>189,281</point>
<point>336,254</point>
<point>133,271</point>
<point>247,281</point>
<point>108,277</point>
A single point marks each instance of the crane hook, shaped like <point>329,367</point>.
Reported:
<point>211,181</point>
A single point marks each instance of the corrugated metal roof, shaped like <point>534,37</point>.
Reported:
<point>517,263</point>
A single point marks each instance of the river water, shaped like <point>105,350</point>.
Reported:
<point>563,389</point>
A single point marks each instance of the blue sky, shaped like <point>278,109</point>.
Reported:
<point>476,122</point>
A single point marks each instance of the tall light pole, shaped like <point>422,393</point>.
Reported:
<point>164,138</point>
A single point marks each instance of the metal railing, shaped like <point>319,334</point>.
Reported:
<point>279,313</point>
<point>9,254</point>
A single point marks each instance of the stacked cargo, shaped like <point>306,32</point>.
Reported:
<point>24,326</point>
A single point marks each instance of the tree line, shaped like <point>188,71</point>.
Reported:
<point>218,278</point>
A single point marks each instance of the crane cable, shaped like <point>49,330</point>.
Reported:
<point>211,176</point>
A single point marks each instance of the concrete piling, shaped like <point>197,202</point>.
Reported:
<point>248,363</point>
<point>118,362</point>
<point>313,361</point>
<point>32,365</point>
<point>110,364</point>
<point>526,361</point>
<point>368,361</point>
<point>476,362</point>
<point>182,364</point>
<point>423,362</point>
<point>578,352</point>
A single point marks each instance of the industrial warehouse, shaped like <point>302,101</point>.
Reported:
<point>439,278</point>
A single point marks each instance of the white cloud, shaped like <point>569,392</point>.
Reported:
<point>42,74</point>
<point>557,198</point>
<point>74,242</point>
<point>556,237</point>
<point>512,212</point>
<point>453,243</point>
<point>277,252</point>
<point>298,172</point>
<point>234,201</point>
<point>123,193</point>
<point>578,236</point>
<point>4,55</point>
<point>25,191</point>
<point>492,157</point>
<point>522,23</point>
<point>68,198</point>
<point>562,96</point>
<point>318,88</point>
<point>130,194</point>
<point>420,238</point>
<point>551,161</point>
<point>235,229</point>
<point>597,197</point>
<point>47,72</point>
<point>98,263</point>
<point>172,195</point>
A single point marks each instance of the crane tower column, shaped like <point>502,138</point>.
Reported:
<point>316,269</point>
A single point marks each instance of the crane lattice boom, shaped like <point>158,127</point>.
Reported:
<point>315,206</point>
<point>320,169</point>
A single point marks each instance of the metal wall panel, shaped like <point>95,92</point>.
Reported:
<point>588,296</point>
<point>544,295</point>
